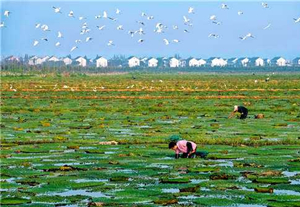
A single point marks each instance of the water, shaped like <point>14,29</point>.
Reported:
<point>286,192</point>
<point>196,181</point>
<point>290,174</point>
<point>295,182</point>
<point>87,180</point>
<point>79,192</point>
<point>170,190</point>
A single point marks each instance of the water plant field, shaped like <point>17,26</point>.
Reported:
<point>51,128</point>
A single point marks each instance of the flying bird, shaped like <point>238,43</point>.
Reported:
<point>246,36</point>
<point>59,35</point>
<point>71,14</point>
<point>88,39</point>
<point>77,41</point>
<point>81,18</point>
<point>56,9</point>
<point>45,39</point>
<point>7,13</point>
<point>110,43</point>
<point>143,14</point>
<point>217,23</point>
<point>297,20</point>
<point>57,44</point>
<point>175,27</point>
<point>37,25</point>
<point>131,33</point>
<point>240,12</point>
<point>265,5</point>
<point>140,40</point>
<point>267,26</point>
<point>120,27</point>
<point>213,17</point>
<point>97,16</point>
<point>101,27</point>
<point>213,35</point>
<point>186,20</point>
<point>150,17</point>
<point>35,43</point>
<point>104,14</point>
<point>73,48</point>
<point>113,19</point>
<point>224,6</point>
<point>118,11</point>
<point>191,10</point>
<point>166,41</point>
<point>186,31</point>
<point>45,27</point>
<point>176,41</point>
<point>2,25</point>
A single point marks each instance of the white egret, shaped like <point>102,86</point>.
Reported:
<point>73,48</point>
<point>35,43</point>
<point>77,41</point>
<point>57,9</point>
<point>71,14</point>
<point>105,14</point>
<point>265,5</point>
<point>186,31</point>
<point>118,11</point>
<point>2,24</point>
<point>240,12</point>
<point>297,20</point>
<point>166,41</point>
<point>191,10</point>
<point>101,27</point>
<point>150,17</point>
<point>143,14</point>
<point>59,34</point>
<point>45,39</point>
<point>97,16</point>
<point>37,25</point>
<point>247,36</point>
<point>7,13</point>
<point>213,35</point>
<point>120,27</point>
<point>131,33</point>
<point>176,41</point>
<point>266,27</point>
<point>140,40</point>
<point>175,27</point>
<point>81,18</point>
<point>186,20</point>
<point>88,39</point>
<point>110,43</point>
<point>224,6</point>
<point>213,17</point>
<point>57,44</point>
<point>113,19</point>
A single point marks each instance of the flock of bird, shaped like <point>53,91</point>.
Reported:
<point>159,27</point>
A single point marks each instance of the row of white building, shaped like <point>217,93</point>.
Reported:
<point>172,62</point>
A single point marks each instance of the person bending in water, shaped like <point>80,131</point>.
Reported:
<point>242,110</point>
<point>185,149</point>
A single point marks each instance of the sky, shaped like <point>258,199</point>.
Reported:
<point>282,38</point>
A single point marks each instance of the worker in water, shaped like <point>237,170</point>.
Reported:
<point>240,109</point>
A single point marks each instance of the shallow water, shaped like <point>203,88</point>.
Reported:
<point>286,192</point>
<point>170,190</point>
<point>79,192</point>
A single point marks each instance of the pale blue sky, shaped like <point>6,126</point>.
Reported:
<point>281,39</point>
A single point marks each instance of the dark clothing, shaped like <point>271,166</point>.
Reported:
<point>243,111</point>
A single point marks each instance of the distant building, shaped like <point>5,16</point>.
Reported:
<point>244,61</point>
<point>232,61</point>
<point>41,60</point>
<point>67,60</point>
<point>53,59</point>
<point>152,63</point>
<point>12,59</point>
<point>82,61</point>
<point>193,62</point>
<point>259,62</point>
<point>201,62</point>
<point>101,62</point>
<point>296,61</point>
<point>32,60</point>
<point>279,61</point>
<point>217,62</point>
<point>174,63</point>
<point>133,62</point>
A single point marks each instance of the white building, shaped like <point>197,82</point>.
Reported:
<point>193,62</point>
<point>32,60</point>
<point>133,62</point>
<point>101,62</point>
<point>67,60</point>
<point>218,62</point>
<point>152,62</point>
<point>174,63</point>
<point>53,59</point>
<point>245,62</point>
<point>81,61</point>
<point>279,61</point>
<point>41,60</point>
<point>259,62</point>
<point>201,62</point>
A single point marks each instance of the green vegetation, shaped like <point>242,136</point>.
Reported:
<point>52,124</point>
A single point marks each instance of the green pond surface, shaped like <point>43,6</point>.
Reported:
<point>51,155</point>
